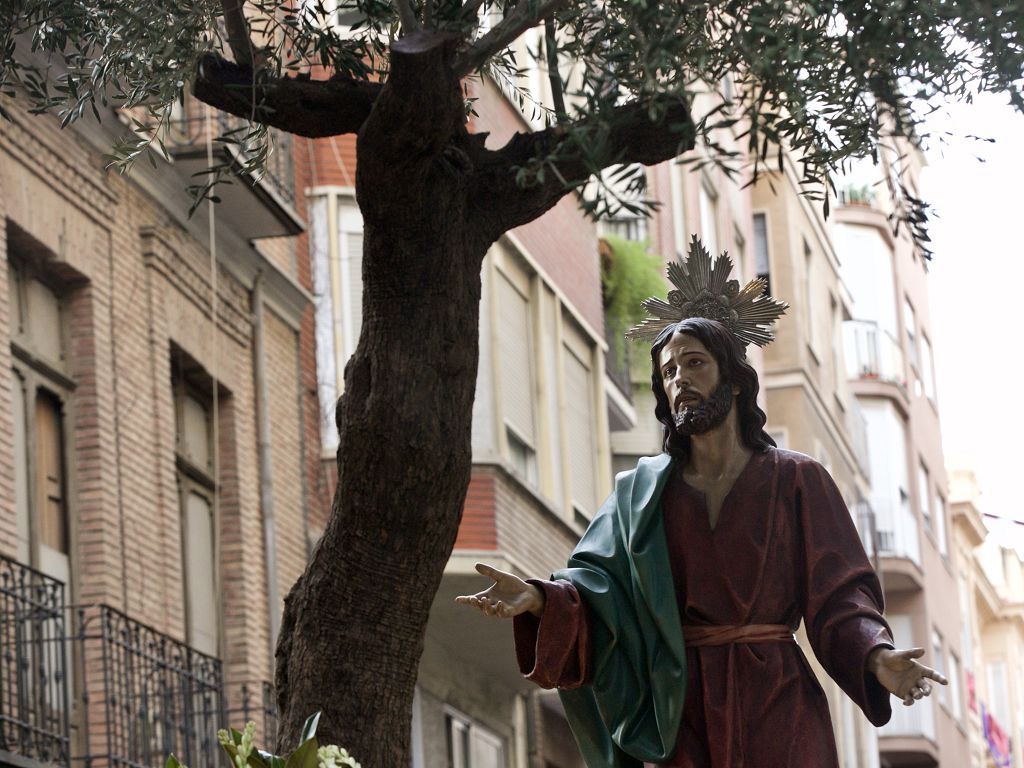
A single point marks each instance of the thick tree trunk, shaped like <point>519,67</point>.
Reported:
<point>354,623</point>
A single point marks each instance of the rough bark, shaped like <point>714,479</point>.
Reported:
<point>310,108</point>
<point>354,623</point>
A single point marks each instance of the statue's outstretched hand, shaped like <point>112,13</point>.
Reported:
<point>902,675</point>
<point>509,595</point>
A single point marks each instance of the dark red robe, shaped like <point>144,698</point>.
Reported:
<point>784,548</point>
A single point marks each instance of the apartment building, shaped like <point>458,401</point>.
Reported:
<point>987,681</point>
<point>157,428</point>
<point>809,403</point>
<point>888,352</point>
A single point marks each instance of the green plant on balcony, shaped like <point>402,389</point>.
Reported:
<point>309,754</point>
<point>854,194</point>
<point>629,274</point>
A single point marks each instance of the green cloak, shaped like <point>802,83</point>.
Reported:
<point>631,710</point>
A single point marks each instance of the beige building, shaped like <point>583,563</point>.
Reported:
<point>888,352</point>
<point>989,682</point>
<point>155,423</point>
<point>810,406</point>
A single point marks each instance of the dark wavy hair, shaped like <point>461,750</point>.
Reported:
<point>733,368</point>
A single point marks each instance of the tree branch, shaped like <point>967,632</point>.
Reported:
<point>631,138</point>
<point>502,35</point>
<point>470,9</point>
<point>238,38</point>
<point>407,16</point>
<point>554,76</point>
<point>310,108</point>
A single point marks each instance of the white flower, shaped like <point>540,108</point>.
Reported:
<point>333,756</point>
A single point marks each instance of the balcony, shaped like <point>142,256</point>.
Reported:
<point>872,354</point>
<point>908,739</point>
<point>256,208</point>
<point>899,546</point>
<point>135,696</point>
<point>34,723</point>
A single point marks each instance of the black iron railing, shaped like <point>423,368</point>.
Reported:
<point>33,666</point>
<point>189,134</point>
<point>137,695</point>
<point>617,362</point>
<point>159,695</point>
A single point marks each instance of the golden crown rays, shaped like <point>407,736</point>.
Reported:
<point>703,289</point>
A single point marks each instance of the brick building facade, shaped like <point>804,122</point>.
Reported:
<point>159,464</point>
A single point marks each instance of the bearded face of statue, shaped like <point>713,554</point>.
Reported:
<point>706,414</point>
<point>698,395</point>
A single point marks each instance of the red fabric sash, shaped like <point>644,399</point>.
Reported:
<point>723,634</point>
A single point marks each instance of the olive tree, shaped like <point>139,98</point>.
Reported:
<point>827,80</point>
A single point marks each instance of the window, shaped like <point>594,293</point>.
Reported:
<point>810,306</point>
<point>779,436</point>
<point>709,218</point>
<point>910,324</point>
<point>470,745</point>
<point>336,251</point>
<point>967,640</point>
<point>581,421</point>
<point>761,262</point>
<point>197,488</point>
<point>927,372</point>
<point>924,495</point>
<point>940,523</point>
<point>954,687</point>
<point>518,387</point>
<point>40,390</point>
<point>838,365</point>
<point>998,694</point>
<point>739,252</point>
<point>939,662</point>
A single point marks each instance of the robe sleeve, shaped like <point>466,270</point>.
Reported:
<point>554,650</point>
<point>842,598</point>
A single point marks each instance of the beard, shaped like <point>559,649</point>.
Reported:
<point>707,414</point>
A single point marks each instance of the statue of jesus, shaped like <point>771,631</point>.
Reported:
<point>670,635</point>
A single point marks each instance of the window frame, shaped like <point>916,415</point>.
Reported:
<point>33,373</point>
<point>201,481</point>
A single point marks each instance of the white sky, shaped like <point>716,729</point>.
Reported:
<point>977,296</point>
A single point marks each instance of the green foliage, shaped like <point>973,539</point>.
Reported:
<point>628,276</point>
<point>243,753</point>
<point>826,79</point>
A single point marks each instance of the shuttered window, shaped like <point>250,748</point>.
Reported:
<point>350,273</point>
<point>53,526</point>
<point>579,395</point>
<point>40,389</point>
<point>197,487</point>
<point>517,375</point>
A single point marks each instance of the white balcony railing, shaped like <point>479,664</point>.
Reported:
<point>872,353</point>
<point>914,721</point>
<point>897,530</point>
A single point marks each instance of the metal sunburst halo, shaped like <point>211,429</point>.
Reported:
<point>703,289</point>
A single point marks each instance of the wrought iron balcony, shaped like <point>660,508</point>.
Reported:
<point>246,202</point>
<point>137,694</point>
<point>34,708</point>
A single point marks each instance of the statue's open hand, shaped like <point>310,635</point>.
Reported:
<point>903,676</point>
<point>509,595</point>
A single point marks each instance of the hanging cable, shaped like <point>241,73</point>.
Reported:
<point>214,367</point>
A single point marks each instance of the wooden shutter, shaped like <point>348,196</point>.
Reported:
<point>50,491</point>
<point>579,393</point>
<point>516,355</point>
